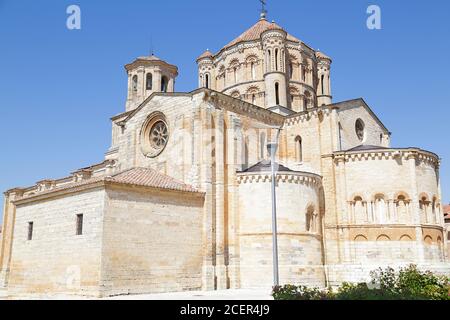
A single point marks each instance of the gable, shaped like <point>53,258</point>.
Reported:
<point>356,113</point>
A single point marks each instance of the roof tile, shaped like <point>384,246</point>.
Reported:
<point>254,32</point>
<point>145,177</point>
<point>447,209</point>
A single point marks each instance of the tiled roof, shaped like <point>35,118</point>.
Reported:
<point>322,55</point>
<point>205,54</point>
<point>144,177</point>
<point>147,177</point>
<point>447,209</point>
<point>150,58</point>
<point>265,166</point>
<point>365,147</point>
<point>254,33</point>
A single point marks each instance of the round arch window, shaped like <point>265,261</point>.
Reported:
<point>360,129</point>
<point>154,135</point>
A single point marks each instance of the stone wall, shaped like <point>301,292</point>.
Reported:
<point>299,229</point>
<point>57,260</point>
<point>152,242</point>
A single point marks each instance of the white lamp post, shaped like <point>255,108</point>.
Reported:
<point>272,148</point>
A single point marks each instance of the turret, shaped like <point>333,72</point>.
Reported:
<point>147,75</point>
<point>274,46</point>
<point>205,70</point>
<point>324,83</point>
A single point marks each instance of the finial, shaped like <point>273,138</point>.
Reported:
<point>263,9</point>
<point>152,53</point>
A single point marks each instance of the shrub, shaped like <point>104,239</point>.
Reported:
<point>290,292</point>
<point>407,284</point>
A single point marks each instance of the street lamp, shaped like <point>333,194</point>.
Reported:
<point>272,148</point>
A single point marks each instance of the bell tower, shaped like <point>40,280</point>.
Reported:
<point>324,83</point>
<point>147,75</point>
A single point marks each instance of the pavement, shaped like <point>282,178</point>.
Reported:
<point>232,294</point>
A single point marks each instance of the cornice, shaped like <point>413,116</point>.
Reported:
<point>391,154</point>
<point>304,178</point>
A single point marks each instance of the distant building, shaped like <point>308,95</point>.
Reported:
<point>447,226</point>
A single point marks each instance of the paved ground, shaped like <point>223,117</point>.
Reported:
<point>240,294</point>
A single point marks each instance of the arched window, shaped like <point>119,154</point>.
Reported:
<point>149,81</point>
<point>276,59</point>
<point>135,82</point>
<point>269,61</point>
<point>164,84</point>
<point>360,215</point>
<point>291,70</point>
<point>253,98</point>
<point>246,152</point>
<point>253,70</point>
<point>235,75</point>
<point>207,81</point>
<point>262,145</point>
<point>434,210</point>
<point>402,209</point>
<point>380,206</point>
<point>360,129</point>
<point>310,219</point>
<point>299,149</point>
<point>277,93</point>
<point>322,84</point>
<point>423,203</point>
<point>305,103</point>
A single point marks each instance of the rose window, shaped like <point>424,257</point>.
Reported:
<point>154,135</point>
<point>159,135</point>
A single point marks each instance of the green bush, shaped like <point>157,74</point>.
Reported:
<point>290,292</point>
<point>407,284</point>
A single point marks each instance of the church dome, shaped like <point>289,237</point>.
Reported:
<point>321,55</point>
<point>255,32</point>
<point>206,54</point>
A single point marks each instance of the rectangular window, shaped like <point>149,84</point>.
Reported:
<point>30,231</point>
<point>79,224</point>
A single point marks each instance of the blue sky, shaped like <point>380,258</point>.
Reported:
<point>58,88</point>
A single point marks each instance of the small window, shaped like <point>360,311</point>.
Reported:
<point>30,231</point>
<point>207,81</point>
<point>359,128</point>
<point>164,82</point>
<point>79,230</point>
<point>253,70</point>
<point>135,82</point>
<point>149,84</point>
<point>276,59</point>
<point>299,149</point>
<point>322,84</point>
<point>277,94</point>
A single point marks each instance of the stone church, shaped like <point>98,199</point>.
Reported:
<point>182,200</point>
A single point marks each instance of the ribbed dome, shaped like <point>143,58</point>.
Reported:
<point>255,31</point>
<point>322,55</point>
<point>206,54</point>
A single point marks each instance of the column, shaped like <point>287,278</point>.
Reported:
<point>233,164</point>
<point>221,269</point>
<point>208,274</point>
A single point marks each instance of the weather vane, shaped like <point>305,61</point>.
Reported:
<point>263,8</point>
